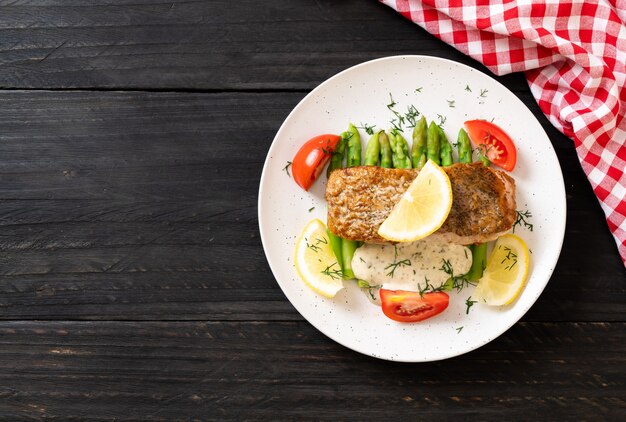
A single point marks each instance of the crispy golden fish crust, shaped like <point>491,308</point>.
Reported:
<point>361,198</point>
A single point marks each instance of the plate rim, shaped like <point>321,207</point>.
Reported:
<point>320,327</point>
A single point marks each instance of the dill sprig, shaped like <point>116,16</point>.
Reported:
<point>315,246</point>
<point>365,285</point>
<point>483,93</point>
<point>327,149</point>
<point>442,119</point>
<point>510,259</point>
<point>469,303</point>
<point>367,128</point>
<point>482,150</point>
<point>286,168</point>
<point>399,120</point>
<point>522,217</point>
<point>395,128</point>
<point>412,115</point>
<point>451,103</point>
<point>467,88</point>
<point>418,89</point>
<point>395,265</point>
<point>458,330</point>
<point>455,282</point>
<point>429,288</point>
<point>335,274</point>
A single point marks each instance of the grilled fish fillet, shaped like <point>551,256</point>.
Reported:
<point>361,198</point>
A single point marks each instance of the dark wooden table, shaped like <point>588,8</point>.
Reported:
<point>133,282</point>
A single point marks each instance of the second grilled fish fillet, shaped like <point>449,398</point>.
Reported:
<point>361,198</point>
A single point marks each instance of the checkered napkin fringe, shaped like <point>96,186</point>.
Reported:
<point>573,54</point>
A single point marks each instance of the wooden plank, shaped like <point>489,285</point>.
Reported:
<point>117,205</point>
<point>201,44</point>
<point>288,370</point>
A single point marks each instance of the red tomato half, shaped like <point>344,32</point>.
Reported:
<point>311,159</point>
<point>492,139</point>
<point>404,306</point>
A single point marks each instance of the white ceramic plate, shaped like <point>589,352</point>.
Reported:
<point>435,87</point>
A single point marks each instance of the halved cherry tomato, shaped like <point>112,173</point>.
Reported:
<point>493,142</point>
<point>311,159</point>
<point>404,306</point>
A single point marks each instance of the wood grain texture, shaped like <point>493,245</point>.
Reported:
<point>287,371</point>
<point>118,205</point>
<point>132,138</point>
<point>206,45</point>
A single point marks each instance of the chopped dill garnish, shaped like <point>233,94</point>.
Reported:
<point>332,273</point>
<point>483,93</point>
<point>429,288</point>
<point>510,259</point>
<point>311,209</point>
<point>458,330</point>
<point>455,282</point>
<point>467,88</point>
<point>327,149</point>
<point>450,103</point>
<point>362,260</point>
<point>399,120</point>
<point>419,89</point>
<point>481,151</point>
<point>365,285</point>
<point>469,303</point>
<point>286,168</point>
<point>395,265</point>
<point>411,115</point>
<point>395,128</point>
<point>521,219</point>
<point>315,246</point>
<point>442,119</point>
<point>367,128</point>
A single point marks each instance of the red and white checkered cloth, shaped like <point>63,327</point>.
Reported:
<point>573,54</point>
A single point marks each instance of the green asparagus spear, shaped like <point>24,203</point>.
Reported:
<point>479,261</point>
<point>385,150</point>
<point>336,162</point>
<point>400,151</point>
<point>354,147</point>
<point>464,147</point>
<point>445,152</point>
<point>479,251</point>
<point>335,244</point>
<point>482,157</point>
<point>372,151</point>
<point>432,143</point>
<point>347,252</point>
<point>354,159</point>
<point>418,149</point>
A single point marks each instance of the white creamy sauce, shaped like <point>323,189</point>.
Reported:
<point>407,266</point>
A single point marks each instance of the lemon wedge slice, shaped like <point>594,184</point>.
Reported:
<point>422,209</point>
<point>506,272</point>
<point>315,260</point>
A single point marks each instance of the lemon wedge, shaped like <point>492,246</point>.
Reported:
<point>422,209</point>
<point>315,260</point>
<point>506,272</point>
